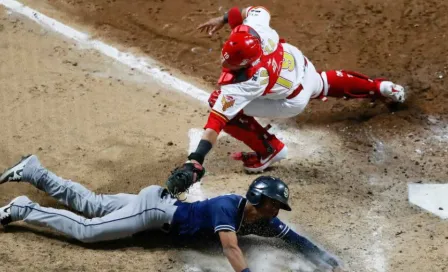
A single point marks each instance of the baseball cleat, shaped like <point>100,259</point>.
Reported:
<point>254,163</point>
<point>5,213</point>
<point>393,91</point>
<point>15,173</point>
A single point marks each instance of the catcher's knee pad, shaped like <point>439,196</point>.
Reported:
<point>246,129</point>
<point>213,97</point>
<point>349,84</point>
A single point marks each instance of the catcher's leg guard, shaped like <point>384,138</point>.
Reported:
<point>267,148</point>
<point>246,129</point>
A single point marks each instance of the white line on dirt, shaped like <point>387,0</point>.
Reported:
<point>139,63</point>
<point>378,252</point>
<point>375,257</point>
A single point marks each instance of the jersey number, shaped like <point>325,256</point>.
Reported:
<point>289,64</point>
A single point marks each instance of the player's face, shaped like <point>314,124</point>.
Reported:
<point>269,208</point>
<point>225,64</point>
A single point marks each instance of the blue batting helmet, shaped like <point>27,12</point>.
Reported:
<point>270,187</point>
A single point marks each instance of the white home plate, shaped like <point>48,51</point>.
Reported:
<point>431,197</point>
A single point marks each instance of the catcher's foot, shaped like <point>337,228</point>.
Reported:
<point>254,163</point>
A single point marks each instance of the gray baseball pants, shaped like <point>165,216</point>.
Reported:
<point>107,217</point>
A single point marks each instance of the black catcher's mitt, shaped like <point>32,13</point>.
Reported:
<point>183,177</point>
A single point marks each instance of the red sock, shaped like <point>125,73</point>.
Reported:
<point>349,84</point>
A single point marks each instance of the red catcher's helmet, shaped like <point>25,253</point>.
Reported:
<point>241,49</point>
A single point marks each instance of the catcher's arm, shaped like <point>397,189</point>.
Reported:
<point>208,140</point>
<point>210,135</point>
<point>192,171</point>
<point>234,17</point>
<point>232,251</point>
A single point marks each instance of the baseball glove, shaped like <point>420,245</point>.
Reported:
<point>183,177</point>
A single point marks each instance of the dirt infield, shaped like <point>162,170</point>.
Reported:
<point>95,121</point>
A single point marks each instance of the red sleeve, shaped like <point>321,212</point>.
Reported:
<point>235,17</point>
<point>216,121</point>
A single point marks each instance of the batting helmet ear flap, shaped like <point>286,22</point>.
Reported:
<point>255,192</point>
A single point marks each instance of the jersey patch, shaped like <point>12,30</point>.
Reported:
<point>227,102</point>
<point>286,192</point>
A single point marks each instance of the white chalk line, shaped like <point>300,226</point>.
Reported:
<point>376,257</point>
<point>141,64</point>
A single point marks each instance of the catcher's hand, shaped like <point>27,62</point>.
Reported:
<point>212,25</point>
<point>183,177</point>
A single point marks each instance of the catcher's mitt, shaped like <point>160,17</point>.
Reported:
<point>183,177</point>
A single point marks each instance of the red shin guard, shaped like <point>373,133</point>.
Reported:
<point>246,129</point>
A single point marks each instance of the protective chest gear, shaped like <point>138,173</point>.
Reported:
<point>245,52</point>
<point>268,186</point>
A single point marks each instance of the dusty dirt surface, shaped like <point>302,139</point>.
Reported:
<point>349,166</point>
